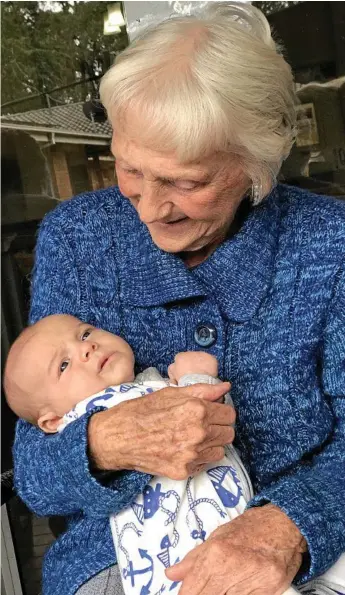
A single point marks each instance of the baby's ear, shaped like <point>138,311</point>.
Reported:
<point>49,422</point>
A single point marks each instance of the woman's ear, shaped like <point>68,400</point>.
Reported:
<point>49,422</point>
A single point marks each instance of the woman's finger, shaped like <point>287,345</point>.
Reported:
<point>197,581</point>
<point>191,572</point>
<point>207,392</point>
<point>210,455</point>
<point>179,571</point>
<point>206,586</point>
<point>198,469</point>
<point>213,455</point>
<point>219,414</point>
<point>195,585</point>
<point>217,436</point>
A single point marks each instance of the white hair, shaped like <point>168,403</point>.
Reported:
<point>208,82</point>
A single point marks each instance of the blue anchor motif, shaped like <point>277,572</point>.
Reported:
<point>131,572</point>
<point>145,392</point>
<point>164,556</point>
<point>124,388</point>
<point>108,394</point>
<point>126,527</point>
<point>192,505</point>
<point>153,501</point>
<point>218,475</point>
<point>171,514</point>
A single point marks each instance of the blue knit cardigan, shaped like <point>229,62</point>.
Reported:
<point>275,293</point>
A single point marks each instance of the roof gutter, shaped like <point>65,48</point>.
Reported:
<point>51,142</point>
<point>45,134</point>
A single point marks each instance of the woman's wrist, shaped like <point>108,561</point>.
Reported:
<point>101,444</point>
<point>287,531</point>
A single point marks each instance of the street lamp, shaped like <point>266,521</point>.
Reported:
<point>114,20</point>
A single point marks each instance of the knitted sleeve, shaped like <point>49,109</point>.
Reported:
<point>314,496</point>
<point>52,473</point>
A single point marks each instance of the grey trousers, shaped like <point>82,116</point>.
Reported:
<point>107,582</point>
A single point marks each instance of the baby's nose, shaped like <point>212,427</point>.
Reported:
<point>87,348</point>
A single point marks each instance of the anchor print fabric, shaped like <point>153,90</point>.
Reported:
<point>170,517</point>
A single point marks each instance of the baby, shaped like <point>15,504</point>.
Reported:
<point>59,369</point>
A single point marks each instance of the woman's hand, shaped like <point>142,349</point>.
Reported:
<point>258,553</point>
<point>173,432</point>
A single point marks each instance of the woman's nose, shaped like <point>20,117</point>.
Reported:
<point>87,348</point>
<point>151,206</point>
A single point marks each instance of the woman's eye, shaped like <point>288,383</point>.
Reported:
<point>85,335</point>
<point>63,365</point>
<point>185,184</point>
<point>132,172</point>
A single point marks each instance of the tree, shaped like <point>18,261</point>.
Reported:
<point>46,45</point>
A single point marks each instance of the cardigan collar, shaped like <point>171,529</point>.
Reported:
<point>238,273</point>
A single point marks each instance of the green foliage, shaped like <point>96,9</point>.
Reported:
<point>45,45</point>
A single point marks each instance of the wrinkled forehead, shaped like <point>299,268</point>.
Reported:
<point>135,128</point>
<point>135,152</point>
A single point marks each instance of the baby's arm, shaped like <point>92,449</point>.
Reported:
<point>193,367</point>
<point>197,365</point>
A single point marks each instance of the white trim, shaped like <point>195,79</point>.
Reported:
<point>41,134</point>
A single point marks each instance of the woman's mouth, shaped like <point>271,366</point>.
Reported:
<point>175,222</point>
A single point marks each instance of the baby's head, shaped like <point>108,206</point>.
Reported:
<point>58,362</point>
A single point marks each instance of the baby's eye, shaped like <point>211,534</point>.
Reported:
<point>85,335</point>
<point>63,365</point>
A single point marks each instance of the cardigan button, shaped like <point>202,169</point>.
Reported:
<point>205,334</point>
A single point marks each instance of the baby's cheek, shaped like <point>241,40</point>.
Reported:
<point>83,388</point>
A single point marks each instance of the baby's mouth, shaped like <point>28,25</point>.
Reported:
<point>104,360</point>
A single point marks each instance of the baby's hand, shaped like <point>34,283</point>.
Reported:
<point>192,362</point>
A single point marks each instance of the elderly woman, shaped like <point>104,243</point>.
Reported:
<point>198,248</point>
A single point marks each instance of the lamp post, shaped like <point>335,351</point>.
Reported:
<point>114,19</point>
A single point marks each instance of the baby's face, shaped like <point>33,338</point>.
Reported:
<point>69,360</point>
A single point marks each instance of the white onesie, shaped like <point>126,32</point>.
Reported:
<point>169,518</point>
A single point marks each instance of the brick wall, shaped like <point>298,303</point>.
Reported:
<point>61,173</point>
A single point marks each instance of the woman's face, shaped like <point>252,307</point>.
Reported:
<point>186,206</point>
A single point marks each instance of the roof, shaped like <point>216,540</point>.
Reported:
<point>68,118</point>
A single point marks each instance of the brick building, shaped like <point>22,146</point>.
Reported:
<point>49,155</point>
